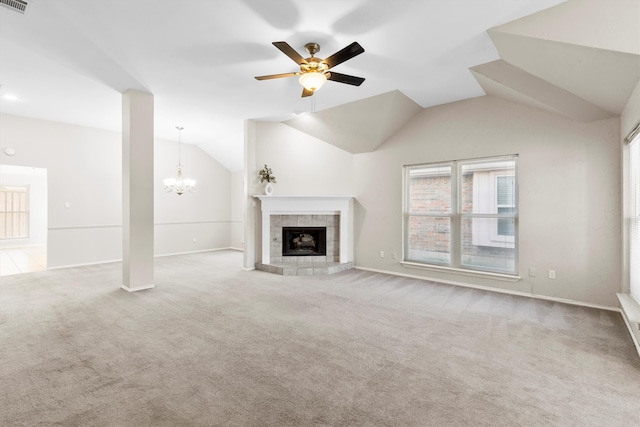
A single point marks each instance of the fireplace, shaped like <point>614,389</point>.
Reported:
<point>304,241</point>
<point>322,226</point>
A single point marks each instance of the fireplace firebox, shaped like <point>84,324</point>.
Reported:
<point>304,241</point>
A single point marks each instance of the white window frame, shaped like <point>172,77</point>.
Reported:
<point>457,216</point>
<point>634,218</point>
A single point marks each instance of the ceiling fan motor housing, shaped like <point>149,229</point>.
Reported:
<point>314,65</point>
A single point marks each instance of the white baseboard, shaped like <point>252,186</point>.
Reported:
<point>490,289</point>
<point>139,288</point>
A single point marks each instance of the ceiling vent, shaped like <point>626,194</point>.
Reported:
<point>19,6</point>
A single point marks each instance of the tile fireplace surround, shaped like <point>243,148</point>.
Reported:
<point>333,212</point>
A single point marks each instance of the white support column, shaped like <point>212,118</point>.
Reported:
<point>137,191</point>
<point>250,206</point>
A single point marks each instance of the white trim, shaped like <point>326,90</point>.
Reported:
<point>58,267</point>
<point>192,252</point>
<point>462,271</point>
<point>633,336</point>
<point>79,227</point>
<point>192,222</point>
<point>490,289</point>
<point>630,308</point>
<point>139,288</point>
<point>30,245</point>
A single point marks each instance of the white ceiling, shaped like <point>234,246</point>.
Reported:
<point>70,60</point>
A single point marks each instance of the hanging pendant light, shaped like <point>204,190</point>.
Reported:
<point>179,184</point>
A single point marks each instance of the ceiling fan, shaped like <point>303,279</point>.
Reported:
<point>314,72</point>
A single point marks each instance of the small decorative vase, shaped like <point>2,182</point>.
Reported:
<point>268,189</point>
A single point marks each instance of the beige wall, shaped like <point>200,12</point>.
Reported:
<point>631,114</point>
<point>237,211</point>
<point>204,215</point>
<point>302,165</point>
<point>84,170</point>
<point>569,193</point>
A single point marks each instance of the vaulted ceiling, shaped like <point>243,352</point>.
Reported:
<point>580,59</point>
<point>70,60</point>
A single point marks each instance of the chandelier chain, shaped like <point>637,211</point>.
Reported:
<point>179,145</point>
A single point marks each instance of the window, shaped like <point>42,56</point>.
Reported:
<point>463,214</point>
<point>634,218</point>
<point>14,212</point>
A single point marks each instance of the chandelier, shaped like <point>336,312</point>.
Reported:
<point>179,184</point>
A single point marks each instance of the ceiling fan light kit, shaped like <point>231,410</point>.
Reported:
<point>314,72</point>
<point>312,81</point>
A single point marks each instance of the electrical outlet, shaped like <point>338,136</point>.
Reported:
<point>195,240</point>
<point>552,274</point>
<point>381,254</point>
<point>532,272</point>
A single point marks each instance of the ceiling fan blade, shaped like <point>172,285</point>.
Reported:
<point>306,92</point>
<point>342,55</point>
<point>345,78</point>
<point>276,76</point>
<point>290,52</point>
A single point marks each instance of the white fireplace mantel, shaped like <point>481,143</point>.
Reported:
<point>308,205</point>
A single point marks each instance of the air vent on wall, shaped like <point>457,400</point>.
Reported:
<point>15,5</point>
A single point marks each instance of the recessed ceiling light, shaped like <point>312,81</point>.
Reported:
<point>10,151</point>
<point>10,97</point>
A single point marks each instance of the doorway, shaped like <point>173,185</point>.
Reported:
<point>23,219</point>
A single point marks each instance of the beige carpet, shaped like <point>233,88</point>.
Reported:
<point>212,345</point>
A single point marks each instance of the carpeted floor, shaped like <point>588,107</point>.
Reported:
<point>212,345</point>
